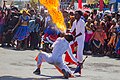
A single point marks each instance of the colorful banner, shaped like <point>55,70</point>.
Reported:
<point>80,4</point>
<point>90,1</point>
<point>106,1</point>
<point>101,5</point>
<point>34,3</point>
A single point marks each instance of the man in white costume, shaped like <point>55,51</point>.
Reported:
<point>79,28</point>
<point>60,46</point>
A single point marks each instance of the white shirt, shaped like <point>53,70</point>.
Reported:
<point>47,19</point>
<point>79,26</point>
<point>32,17</point>
<point>41,18</point>
<point>60,46</point>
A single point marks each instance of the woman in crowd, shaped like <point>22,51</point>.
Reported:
<point>22,32</point>
<point>98,38</point>
<point>2,18</point>
<point>89,33</point>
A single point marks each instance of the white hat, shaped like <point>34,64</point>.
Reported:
<point>107,12</point>
<point>46,11</point>
<point>114,20</point>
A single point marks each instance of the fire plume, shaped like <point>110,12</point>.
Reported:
<point>53,9</point>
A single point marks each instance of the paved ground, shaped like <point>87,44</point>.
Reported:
<point>19,65</point>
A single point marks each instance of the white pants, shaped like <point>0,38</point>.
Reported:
<point>80,40</point>
<point>57,61</point>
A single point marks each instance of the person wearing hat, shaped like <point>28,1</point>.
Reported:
<point>22,32</point>
<point>114,21</point>
<point>60,46</point>
<point>89,32</point>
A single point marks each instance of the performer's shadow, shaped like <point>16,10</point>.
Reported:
<point>18,78</point>
<point>52,77</point>
<point>58,77</point>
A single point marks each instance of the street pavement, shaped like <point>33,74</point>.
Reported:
<point>19,65</point>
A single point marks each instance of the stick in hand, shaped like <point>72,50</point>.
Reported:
<point>78,69</point>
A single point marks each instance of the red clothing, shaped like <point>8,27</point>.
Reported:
<point>80,4</point>
<point>67,57</point>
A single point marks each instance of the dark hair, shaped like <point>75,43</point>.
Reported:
<point>0,8</point>
<point>118,33</point>
<point>69,37</point>
<point>79,12</point>
<point>109,17</point>
<point>32,10</point>
<point>14,8</point>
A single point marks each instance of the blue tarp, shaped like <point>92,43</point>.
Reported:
<point>117,0</point>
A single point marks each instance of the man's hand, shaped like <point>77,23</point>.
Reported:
<point>74,38</point>
<point>12,30</point>
<point>9,31</point>
<point>80,64</point>
<point>77,36</point>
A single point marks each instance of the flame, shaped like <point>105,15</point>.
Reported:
<point>53,9</point>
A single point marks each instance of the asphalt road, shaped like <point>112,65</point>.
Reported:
<point>19,65</point>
